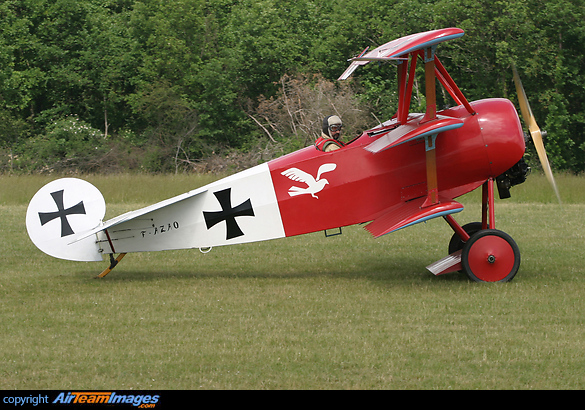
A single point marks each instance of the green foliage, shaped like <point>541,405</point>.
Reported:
<point>69,144</point>
<point>184,77</point>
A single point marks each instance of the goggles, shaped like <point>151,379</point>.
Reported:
<point>335,128</point>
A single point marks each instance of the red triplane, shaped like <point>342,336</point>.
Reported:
<point>407,170</point>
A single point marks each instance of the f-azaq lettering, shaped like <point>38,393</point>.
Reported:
<point>160,229</point>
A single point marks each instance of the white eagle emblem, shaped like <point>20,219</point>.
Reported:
<point>314,185</point>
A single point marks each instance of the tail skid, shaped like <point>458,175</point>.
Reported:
<point>113,263</point>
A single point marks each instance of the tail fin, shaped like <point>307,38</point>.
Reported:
<point>60,211</point>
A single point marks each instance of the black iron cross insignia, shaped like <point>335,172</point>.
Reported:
<point>228,214</point>
<point>62,213</point>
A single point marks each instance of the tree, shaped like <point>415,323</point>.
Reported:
<point>180,80</point>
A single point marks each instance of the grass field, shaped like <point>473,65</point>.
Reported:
<point>346,312</point>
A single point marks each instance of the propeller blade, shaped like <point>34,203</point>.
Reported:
<point>535,133</point>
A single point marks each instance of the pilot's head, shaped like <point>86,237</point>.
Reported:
<point>332,126</point>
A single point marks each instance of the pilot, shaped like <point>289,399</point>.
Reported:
<point>331,132</point>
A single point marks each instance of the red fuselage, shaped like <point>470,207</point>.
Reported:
<point>364,184</point>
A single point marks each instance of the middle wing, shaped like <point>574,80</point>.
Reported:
<point>413,129</point>
<point>426,207</point>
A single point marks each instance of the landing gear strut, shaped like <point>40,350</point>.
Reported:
<point>485,254</point>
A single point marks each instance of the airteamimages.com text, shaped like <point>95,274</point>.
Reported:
<point>81,398</point>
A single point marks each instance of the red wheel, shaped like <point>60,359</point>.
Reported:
<point>490,256</point>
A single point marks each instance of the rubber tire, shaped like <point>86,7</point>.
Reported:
<point>490,256</point>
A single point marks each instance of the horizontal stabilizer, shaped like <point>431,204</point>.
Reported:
<point>450,263</point>
<point>240,208</point>
<point>410,213</point>
<point>138,213</point>
<point>413,130</point>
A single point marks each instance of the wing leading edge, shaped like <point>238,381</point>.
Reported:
<point>397,49</point>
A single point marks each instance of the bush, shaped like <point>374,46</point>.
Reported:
<point>296,114</point>
<point>67,145</point>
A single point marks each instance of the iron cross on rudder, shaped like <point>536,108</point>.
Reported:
<point>228,214</point>
<point>62,213</point>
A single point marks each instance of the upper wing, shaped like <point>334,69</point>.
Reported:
<point>397,49</point>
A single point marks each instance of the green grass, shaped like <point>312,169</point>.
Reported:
<point>116,189</point>
<point>347,312</point>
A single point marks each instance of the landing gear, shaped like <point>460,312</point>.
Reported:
<point>483,253</point>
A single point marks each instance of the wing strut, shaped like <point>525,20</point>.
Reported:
<point>405,84</point>
<point>447,82</point>
<point>431,114</point>
<point>432,184</point>
<point>430,89</point>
